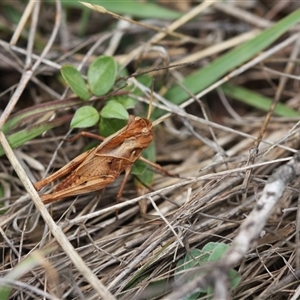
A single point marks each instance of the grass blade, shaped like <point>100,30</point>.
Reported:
<point>201,79</point>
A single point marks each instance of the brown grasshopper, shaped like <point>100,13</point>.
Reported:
<point>96,168</point>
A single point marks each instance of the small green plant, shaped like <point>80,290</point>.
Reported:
<point>211,252</point>
<point>100,82</point>
<point>101,78</point>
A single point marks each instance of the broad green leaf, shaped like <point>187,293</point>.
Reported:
<point>19,138</point>
<point>211,252</point>
<point>190,261</point>
<point>179,268</point>
<point>144,175</point>
<point>108,127</point>
<point>206,76</point>
<point>126,101</point>
<point>194,296</point>
<point>74,79</point>
<point>146,80</point>
<point>235,278</point>
<point>138,169</point>
<point>102,75</point>
<point>256,100</point>
<point>209,247</point>
<point>192,258</point>
<point>218,252</point>
<point>85,116</point>
<point>141,169</point>
<point>114,110</point>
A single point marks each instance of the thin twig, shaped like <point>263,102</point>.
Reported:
<point>165,220</point>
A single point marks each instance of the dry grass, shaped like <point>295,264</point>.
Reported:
<point>219,147</point>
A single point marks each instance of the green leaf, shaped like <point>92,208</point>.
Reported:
<point>141,169</point>
<point>235,278</point>
<point>19,138</point>
<point>84,21</point>
<point>3,208</point>
<point>193,296</point>
<point>85,116</point>
<point>114,110</point>
<point>108,127</point>
<point>135,9</point>
<point>190,261</point>
<point>211,252</point>
<point>138,169</point>
<point>102,75</point>
<point>126,101</point>
<point>209,247</point>
<point>257,100</point>
<point>144,175</point>
<point>218,252</point>
<point>74,79</point>
<point>192,258</point>
<point>179,269</point>
<point>206,76</point>
<point>146,80</point>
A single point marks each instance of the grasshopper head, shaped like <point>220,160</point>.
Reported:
<point>133,139</point>
<point>142,130</point>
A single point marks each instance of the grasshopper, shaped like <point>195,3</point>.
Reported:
<point>96,168</point>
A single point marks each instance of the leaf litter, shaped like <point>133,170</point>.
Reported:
<point>134,257</point>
